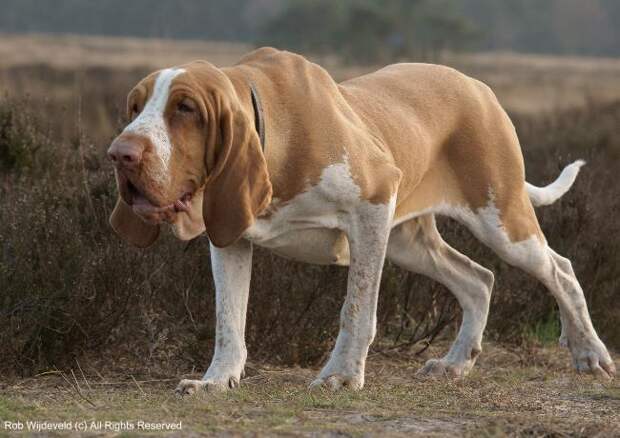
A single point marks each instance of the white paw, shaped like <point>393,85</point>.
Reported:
<point>189,387</point>
<point>337,382</point>
<point>594,359</point>
<point>443,368</point>
<point>341,372</point>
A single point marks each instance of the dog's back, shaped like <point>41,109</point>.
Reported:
<point>445,130</point>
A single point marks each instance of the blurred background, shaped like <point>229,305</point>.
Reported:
<point>71,289</point>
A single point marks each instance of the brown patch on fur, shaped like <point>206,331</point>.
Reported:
<point>451,139</point>
<point>139,95</point>
<point>298,146</point>
<point>427,132</point>
<point>185,171</point>
<point>131,228</point>
<point>238,189</point>
<point>310,125</point>
<point>237,185</point>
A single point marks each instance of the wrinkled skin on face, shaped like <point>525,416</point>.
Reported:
<point>190,156</point>
<point>168,132</point>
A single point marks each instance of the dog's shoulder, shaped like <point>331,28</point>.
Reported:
<point>267,56</point>
<point>286,69</point>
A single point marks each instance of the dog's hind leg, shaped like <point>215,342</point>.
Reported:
<point>417,246</point>
<point>512,231</point>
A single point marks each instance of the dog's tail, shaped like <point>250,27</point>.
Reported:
<point>549,194</point>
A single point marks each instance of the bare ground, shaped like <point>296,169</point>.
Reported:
<point>510,393</point>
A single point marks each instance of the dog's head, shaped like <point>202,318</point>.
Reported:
<point>190,156</point>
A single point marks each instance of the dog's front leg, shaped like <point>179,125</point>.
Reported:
<point>232,268</point>
<point>368,233</point>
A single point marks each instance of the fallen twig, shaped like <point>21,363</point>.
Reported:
<point>83,375</point>
<point>137,384</point>
<point>77,388</point>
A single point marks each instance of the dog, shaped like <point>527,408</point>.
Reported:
<point>273,152</point>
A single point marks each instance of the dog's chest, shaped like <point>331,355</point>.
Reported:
<point>302,231</point>
<point>309,227</point>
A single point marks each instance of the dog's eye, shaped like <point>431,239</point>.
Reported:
<point>185,107</point>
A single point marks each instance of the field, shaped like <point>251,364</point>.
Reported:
<point>512,392</point>
<point>91,329</point>
<point>67,73</point>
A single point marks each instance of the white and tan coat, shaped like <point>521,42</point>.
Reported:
<point>350,173</point>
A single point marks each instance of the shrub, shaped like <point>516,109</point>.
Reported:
<point>19,137</point>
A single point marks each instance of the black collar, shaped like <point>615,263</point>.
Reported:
<point>259,120</point>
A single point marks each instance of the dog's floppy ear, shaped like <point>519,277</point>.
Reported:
<point>130,227</point>
<point>238,186</point>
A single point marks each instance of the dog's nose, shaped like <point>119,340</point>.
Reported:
<point>125,153</point>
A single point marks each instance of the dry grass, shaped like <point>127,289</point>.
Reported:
<point>532,84</point>
<point>83,80</point>
<point>511,392</point>
<point>88,77</point>
<point>70,52</point>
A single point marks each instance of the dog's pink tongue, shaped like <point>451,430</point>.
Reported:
<point>143,207</point>
<point>179,205</point>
